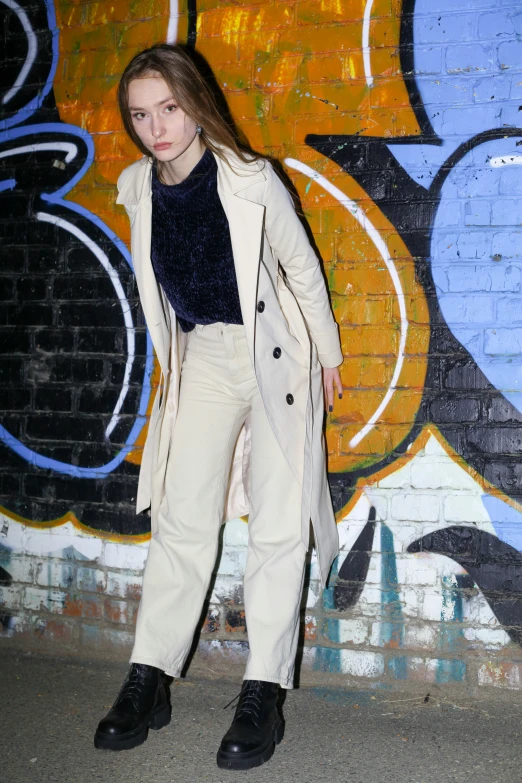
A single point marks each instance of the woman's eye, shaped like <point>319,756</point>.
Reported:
<point>139,115</point>
<point>171,108</point>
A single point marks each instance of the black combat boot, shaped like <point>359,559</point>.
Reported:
<point>142,704</point>
<point>256,729</point>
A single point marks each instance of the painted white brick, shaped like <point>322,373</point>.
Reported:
<point>233,561</point>
<point>373,577</point>
<point>235,533</point>
<point>420,636</point>
<point>44,600</point>
<point>353,631</point>
<point>361,664</point>
<point>127,556</point>
<point>500,675</point>
<point>432,606</point>
<point>49,574</point>
<point>479,613</point>
<point>122,585</point>
<point>415,507</point>
<point>435,474</point>
<point>403,535</point>
<point>369,604</point>
<point>413,570</point>
<point>12,533</point>
<point>91,580</point>
<point>227,589</point>
<point>464,509</point>
<point>64,541</point>
<point>432,448</point>
<point>488,638</point>
<point>10,597</point>
<point>375,636</point>
<point>21,568</point>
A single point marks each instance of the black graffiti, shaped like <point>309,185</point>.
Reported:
<point>495,567</point>
<point>354,570</point>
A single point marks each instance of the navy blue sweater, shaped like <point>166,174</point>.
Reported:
<point>191,251</point>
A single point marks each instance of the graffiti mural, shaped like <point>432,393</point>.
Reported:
<point>77,356</point>
<point>400,125</point>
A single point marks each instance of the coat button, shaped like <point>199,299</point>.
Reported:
<point>290,399</point>
<point>276,353</point>
<point>260,307</point>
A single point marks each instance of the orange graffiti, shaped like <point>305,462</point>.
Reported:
<point>287,70</point>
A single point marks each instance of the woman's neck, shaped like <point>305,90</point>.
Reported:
<point>172,172</point>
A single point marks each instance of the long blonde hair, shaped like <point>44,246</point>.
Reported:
<point>175,65</point>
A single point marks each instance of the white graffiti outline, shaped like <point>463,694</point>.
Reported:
<point>115,280</point>
<point>366,43</point>
<point>32,48</point>
<point>172,29</point>
<point>71,150</point>
<point>506,160</point>
<point>380,245</point>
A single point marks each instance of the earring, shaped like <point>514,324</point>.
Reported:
<point>199,129</point>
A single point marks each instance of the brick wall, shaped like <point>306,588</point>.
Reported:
<point>400,124</point>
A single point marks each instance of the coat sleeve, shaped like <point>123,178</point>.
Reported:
<point>122,179</point>
<point>289,242</point>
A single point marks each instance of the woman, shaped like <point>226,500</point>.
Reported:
<point>225,275</point>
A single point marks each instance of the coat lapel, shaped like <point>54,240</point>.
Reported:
<point>136,195</point>
<point>245,220</point>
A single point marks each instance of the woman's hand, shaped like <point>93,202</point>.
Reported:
<point>331,378</point>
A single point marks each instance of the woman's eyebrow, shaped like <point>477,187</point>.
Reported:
<point>159,103</point>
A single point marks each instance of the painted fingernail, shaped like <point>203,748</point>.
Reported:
<point>340,396</point>
<point>330,408</point>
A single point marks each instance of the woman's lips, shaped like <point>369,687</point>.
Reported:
<point>163,146</point>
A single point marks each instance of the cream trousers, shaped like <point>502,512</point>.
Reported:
<point>218,391</point>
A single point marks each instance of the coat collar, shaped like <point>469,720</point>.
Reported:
<point>245,219</point>
<point>135,183</point>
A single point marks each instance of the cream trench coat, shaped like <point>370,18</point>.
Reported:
<point>266,234</point>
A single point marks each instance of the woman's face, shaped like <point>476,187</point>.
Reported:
<point>161,124</point>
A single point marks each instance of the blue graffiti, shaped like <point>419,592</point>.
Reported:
<point>64,138</point>
<point>506,520</point>
<point>451,634</point>
<point>42,90</point>
<point>476,259</point>
<point>392,624</point>
<point>468,65</point>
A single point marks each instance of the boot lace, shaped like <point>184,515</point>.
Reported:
<point>250,701</point>
<point>134,685</point>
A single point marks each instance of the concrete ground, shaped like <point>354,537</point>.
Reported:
<point>50,708</point>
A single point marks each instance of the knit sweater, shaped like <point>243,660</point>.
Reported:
<point>191,251</point>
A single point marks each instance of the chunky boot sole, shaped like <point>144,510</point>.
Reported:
<point>156,720</point>
<point>254,758</point>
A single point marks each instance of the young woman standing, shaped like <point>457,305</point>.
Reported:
<point>238,313</point>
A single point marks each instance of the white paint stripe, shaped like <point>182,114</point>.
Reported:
<point>60,146</point>
<point>366,42</point>
<point>506,160</point>
<point>172,29</point>
<point>379,243</point>
<point>127,317</point>
<point>32,48</point>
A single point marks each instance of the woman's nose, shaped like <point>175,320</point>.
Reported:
<point>157,128</point>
